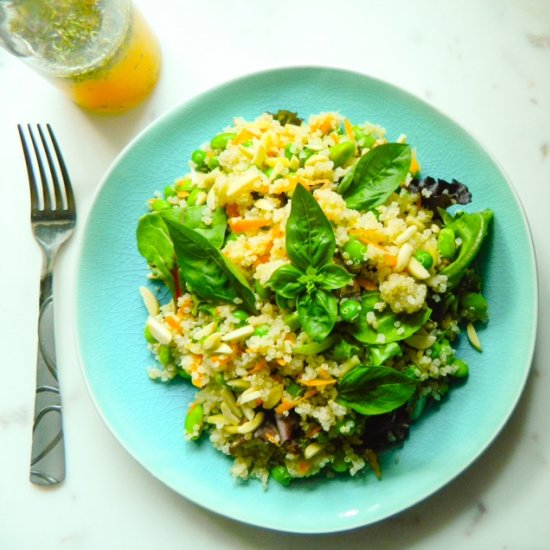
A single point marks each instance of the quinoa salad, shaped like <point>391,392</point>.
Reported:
<point>317,284</point>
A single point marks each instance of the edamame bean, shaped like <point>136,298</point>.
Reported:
<point>475,305</point>
<point>281,475</point>
<point>192,198</point>
<point>185,185</point>
<point>169,191</point>
<point>221,140</point>
<point>339,465</point>
<point>349,310</point>
<point>212,162</point>
<point>462,369</point>
<point>356,250</point>
<point>198,157</point>
<point>194,420</point>
<point>148,336</point>
<point>340,153</point>
<point>446,243</point>
<point>165,355</point>
<point>241,316</point>
<point>425,259</point>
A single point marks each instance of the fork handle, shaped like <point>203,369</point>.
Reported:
<point>48,448</point>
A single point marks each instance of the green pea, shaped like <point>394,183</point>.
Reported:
<point>281,475</point>
<point>221,140</point>
<point>339,465</point>
<point>241,316</point>
<point>165,355</point>
<point>475,305</point>
<point>292,320</point>
<point>212,162</point>
<point>462,369</point>
<point>192,198</point>
<point>198,156</point>
<point>356,250</point>
<point>349,310</point>
<point>446,243</point>
<point>290,150</point>
<point>424,258</point>
<point>148,336</point>
<point>159,204</point>
<point>169,191</point>
<point>340,153</point>
<point>262,330</point>
<point>194,420</point>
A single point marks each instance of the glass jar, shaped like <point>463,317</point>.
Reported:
<point>102,53</point>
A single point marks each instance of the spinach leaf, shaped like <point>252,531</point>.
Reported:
<point>155,245</point>
<point>285,281</point>
<point>376,176</point>
<point>471,229</point>
<point>375,390</point>
<point>206,271</point>
<point>317,312</point>
<point>333,276</point>
<point>392,326</point>
<point>215,232</point>
<point>309,235</point>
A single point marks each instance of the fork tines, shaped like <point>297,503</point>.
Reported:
<point>54,192</point>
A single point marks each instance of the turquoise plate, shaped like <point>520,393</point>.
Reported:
<point>147,417</point>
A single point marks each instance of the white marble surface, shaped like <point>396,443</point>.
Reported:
<point>486,64</point>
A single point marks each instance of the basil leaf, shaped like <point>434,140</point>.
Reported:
<point>206,271</point>
<point>317,312</point>
<point>333,276</point>
<point>193,217</point>
<point>155,245</point>
<point>391,327</point>
<point>309,235</point>
<point>471,229</point>
<point>285,282</point>
<point>377,175</point>
<point>375,390</point>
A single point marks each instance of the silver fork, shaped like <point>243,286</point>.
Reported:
<point>53,217</point>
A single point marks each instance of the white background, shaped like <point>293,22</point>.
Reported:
<point>485,64</point>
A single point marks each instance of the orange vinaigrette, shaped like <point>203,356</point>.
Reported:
<point>102,53</point>
<point>125,79</point>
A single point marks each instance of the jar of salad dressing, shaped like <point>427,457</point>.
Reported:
<point>102,53</point>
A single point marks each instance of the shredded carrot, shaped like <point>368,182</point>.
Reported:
<point>367,284</point>
<point>197,378</point>
<point>285,406</point>
<point>244,136</point>
<point>260,366</point>
<point>183,194</point>
<point>368,236</point>
<point>304,466</point>
<point>262,260</point>
<point>372,459</point>
<point>349,130</point>
<point>232,210</point>
<point>173,322</point>
<point>415,165</point>
<point>314,430</point>
<point>317,382</point>
<point>390,260</point>
<point>309,393</point>
<point>240,225</point>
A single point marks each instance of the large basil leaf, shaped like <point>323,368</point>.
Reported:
<point>215,232</point>
<point>471,229</point>
<point>375,390</point>
<point>392,326</point>
<point>377,175</point>
<point>285,281</point>
<point>333,276</point>
<point>206,271</point>
<point>155,245</point>
<point>309,235</point>
<point>317,312</point>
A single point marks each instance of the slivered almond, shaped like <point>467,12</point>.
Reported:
<point>151,303</point>
<point>159,332</point>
